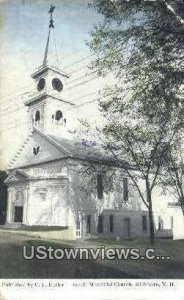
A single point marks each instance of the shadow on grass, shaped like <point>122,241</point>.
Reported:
<point>13,265</point>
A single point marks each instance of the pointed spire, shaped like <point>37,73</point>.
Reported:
<point>51,25</point>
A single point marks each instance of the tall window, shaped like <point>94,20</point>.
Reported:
<point>78,222</point>
<point>100,224</point>
<point>125,189</point>
<point>144,223</point>
<point>172,222</point>
<point>99,186</point>
<point>78,226</point>
<point>37,116</point>
<point>111,223</point>
<point>160,223</point>
<point>89,224</point>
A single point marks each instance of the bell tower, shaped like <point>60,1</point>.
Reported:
<point>47,108</point>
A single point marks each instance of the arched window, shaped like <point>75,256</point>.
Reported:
<point>58,115</point>
<point>37,116</point>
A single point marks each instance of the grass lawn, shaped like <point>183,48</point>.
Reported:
<point>13,265</point>
<point>173,268</point>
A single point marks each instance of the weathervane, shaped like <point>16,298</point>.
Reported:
<point>51,12</point>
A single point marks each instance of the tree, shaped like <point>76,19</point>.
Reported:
<point>172,178</point>
<point>141,43</point>
<point>3,197</point>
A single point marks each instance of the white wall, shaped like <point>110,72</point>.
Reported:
<point>60,191</point>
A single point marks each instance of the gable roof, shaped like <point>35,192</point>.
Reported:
<point>46,150</point>
<point>52,148</point>
<point>79,150</point>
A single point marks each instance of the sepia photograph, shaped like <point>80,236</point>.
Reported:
<point>92,140</point>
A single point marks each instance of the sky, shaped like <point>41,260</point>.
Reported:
<point>23,34</point>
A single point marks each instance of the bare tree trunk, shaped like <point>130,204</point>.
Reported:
<point>150,210</point>
<point>182,203</point>
<point>171,9</point>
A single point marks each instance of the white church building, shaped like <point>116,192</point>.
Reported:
<point>48,187</point>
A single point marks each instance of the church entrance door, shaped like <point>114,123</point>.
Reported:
<point>18,215</point>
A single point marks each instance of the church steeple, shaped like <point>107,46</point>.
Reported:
<point>51,27</point>
<point>47,106</point>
